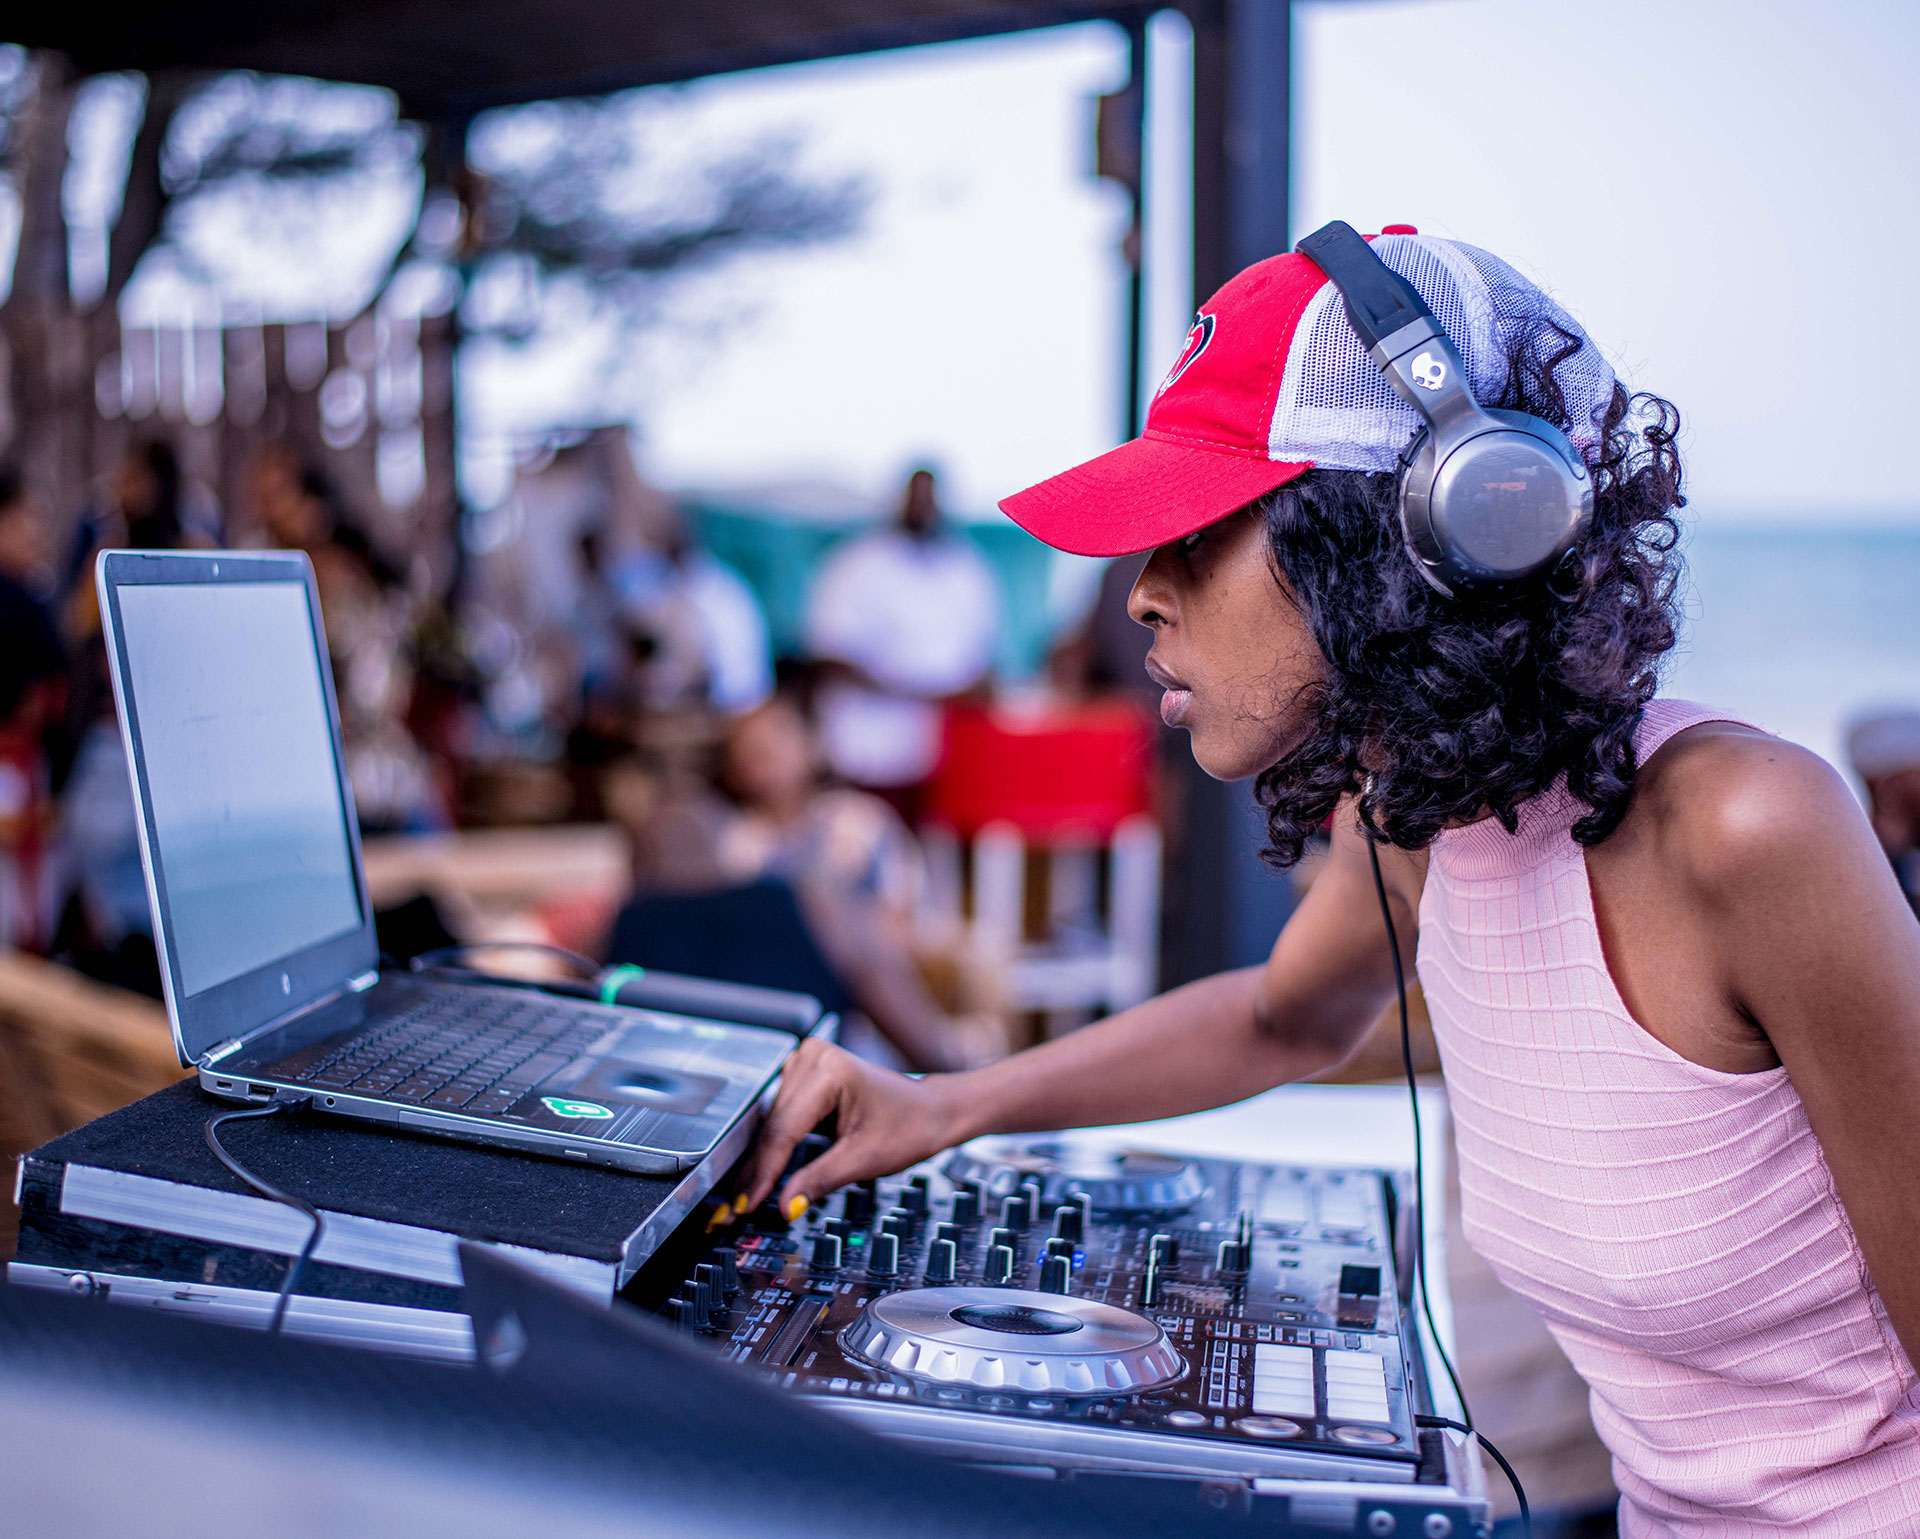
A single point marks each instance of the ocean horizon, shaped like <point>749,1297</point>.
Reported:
<point>1799,629</point>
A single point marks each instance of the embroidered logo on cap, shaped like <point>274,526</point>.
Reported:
<point>1199,334</point>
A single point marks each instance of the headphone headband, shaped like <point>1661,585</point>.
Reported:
<point>1487,498</point>
<point>1379,301</point>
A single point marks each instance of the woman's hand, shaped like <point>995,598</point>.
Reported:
<point>886,1121</point>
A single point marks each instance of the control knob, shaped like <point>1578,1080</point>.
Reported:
<point>943,1257</point>
<point>707,1275</point>
<point>728,1266</point>
<point>1056,1274</point>
<point>1236,1254</point>
<point>1070,1223</point>
<point>858,1204</point>
<point>883,1260</point>
<point>692,1304</point>
<point>999,1266</point>
<point>1016,1213</point>
<point>828,1252</point>
<point>1150,1287</point>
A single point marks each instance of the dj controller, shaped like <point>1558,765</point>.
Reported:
<point>1078,1309</point>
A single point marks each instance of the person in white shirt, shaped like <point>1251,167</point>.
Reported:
<point>707,635</point>
<point>905,618</point>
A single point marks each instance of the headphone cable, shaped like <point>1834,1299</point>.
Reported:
<point>299,1204</point>
<point>1519,1491</point>
<point>1419,1194</point>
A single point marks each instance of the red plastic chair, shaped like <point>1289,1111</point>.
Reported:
<point>1063,784</point>
<point>1057,774</point>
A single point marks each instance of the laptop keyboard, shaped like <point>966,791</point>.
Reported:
<point>475,1056</point>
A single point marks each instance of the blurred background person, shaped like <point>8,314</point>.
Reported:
<point>33,665</point>
<point>144,503</point>
<point>695,630</point>
<point>371,618</point>
<point>1885,751</point>
<point>788,822</point>
<point>903,619</point>
<point>104,928</point>
<point>806,932</point>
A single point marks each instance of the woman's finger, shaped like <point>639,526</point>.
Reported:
<point>805,1098</point>
<point>842,1163</point>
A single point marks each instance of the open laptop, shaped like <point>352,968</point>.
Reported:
<point>264,929</point>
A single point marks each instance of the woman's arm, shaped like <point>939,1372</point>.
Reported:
<point>1818,949</point>
<point>881,976</point>
<point>1218,1040</point>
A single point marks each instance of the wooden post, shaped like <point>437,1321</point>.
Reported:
<point>1224,907</point>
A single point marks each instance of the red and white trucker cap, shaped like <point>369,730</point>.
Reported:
<point>1273,382</point>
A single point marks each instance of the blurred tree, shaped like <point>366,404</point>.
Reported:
<point>563,203</point>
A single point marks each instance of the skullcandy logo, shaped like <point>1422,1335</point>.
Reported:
<point>1428,372</point>
<point>1198,336</point>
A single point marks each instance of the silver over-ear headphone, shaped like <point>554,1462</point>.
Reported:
<point>1487,497</point>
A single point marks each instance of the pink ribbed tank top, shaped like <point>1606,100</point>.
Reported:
<point>1674,1225</point>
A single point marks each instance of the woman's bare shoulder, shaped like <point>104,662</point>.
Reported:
<point>1726,804</point>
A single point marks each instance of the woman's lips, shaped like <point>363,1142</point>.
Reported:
<point>1177,697</point>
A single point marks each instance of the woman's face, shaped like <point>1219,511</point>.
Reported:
<point>769,756</point>
<point>1230,649</point>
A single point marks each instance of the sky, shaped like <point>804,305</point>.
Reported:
<point>1711,187</point>
<point>1723,192</point>
<point>974,322</point>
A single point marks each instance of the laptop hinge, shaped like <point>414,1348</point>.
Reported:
<point>233,1044</point>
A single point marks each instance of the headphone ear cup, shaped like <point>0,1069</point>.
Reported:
<point>1494,507</point>
<point>1423,549</point>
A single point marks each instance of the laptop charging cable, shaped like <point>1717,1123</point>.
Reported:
<point>283,1102</point>
<point>1465,1424</point>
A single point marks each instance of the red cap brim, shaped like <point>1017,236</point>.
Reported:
<point>1142,494</point>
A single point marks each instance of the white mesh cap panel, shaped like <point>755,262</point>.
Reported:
<point>1335,407</point>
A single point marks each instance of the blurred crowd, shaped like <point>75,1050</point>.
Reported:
<point>590,662</point>
<point>599,666</point>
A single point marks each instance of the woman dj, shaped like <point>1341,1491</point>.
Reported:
<point>1675,987</point>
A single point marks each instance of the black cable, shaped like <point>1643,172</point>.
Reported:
<point>298,1204</point>
<point>586,964</point>
<point>1519,1491</point>
<point>1419,1159</point>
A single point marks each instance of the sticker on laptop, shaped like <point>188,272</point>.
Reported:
<point>561,1106</point>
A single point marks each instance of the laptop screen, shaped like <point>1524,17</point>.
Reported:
<point>249,828</point>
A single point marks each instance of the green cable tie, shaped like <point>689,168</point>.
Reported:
<point>617,978</point>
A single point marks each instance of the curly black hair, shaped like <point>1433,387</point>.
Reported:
<point>1440,711</point>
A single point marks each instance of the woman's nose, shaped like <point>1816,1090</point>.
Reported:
<point>1151,602</point>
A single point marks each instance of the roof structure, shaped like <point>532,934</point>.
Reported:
<point>449,58</point>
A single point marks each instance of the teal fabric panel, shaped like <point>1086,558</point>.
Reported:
<point>778,557</point>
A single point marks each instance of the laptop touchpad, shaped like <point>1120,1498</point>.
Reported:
<point>635,1082</point>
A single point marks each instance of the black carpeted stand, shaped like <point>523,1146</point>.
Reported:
<point>395,1204</point>
<point>478,1194</point>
